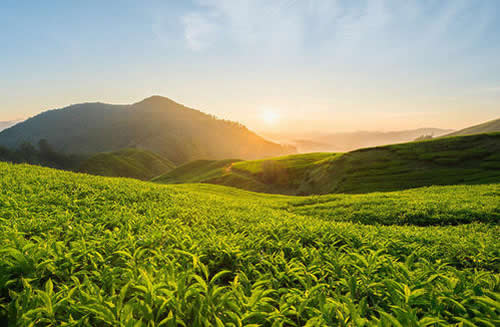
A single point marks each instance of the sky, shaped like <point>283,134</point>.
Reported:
<point>282,65</point>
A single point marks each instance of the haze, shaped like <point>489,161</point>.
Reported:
<point>275,66</point>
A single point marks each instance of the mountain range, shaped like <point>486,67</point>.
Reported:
<point>348,141</point>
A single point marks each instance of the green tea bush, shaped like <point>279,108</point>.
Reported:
<point>79,250</point>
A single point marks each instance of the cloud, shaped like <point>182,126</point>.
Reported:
<point>199,30</point>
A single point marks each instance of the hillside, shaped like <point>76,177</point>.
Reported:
<point>85,250</point>
<point>196,171</point>
<point>488,127</point>
<point>443,161</point>
<point>157,124</point>
<point>132,163</point>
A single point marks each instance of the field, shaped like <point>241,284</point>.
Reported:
<point>79,250</point>
<point>133,163</point>
<point>468,160</point>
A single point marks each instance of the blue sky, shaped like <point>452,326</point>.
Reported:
<point>316,64</point>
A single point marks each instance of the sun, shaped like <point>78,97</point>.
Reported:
<point>270,117</point>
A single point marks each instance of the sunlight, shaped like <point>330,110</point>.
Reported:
<point>270,117</point>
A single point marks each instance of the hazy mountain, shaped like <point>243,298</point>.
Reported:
<point>348,141</point>
<point>157,124</point>
<point>488,127</point>
<point>7,124</point>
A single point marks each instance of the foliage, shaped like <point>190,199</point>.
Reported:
<point>45,155</point>
<point>81,250</point>
<point>442,161</point>
<point>196,171</point>
<point>133,163</point>
<point>424,137</point>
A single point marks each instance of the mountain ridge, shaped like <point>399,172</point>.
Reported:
<point>158,124</point>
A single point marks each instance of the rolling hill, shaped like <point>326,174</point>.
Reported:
<point>132,163</point>
<point>81,250</point>
<point>488,127</point>
<point>157,124</point>
<point>444,161</point>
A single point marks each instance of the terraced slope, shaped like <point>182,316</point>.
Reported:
<point>133,163</point>
<point>471,159</point>
<point>196,171</point>
<point>81,250</point>
<point>276,175</point>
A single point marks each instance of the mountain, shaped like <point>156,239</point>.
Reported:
<point>133,163</point>
<point>473,159</point>
<point>157,124</point>
<point>488,127</point>
<point>348,141</point>
<point>7,124</point>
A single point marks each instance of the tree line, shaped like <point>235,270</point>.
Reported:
<point>42,155</point>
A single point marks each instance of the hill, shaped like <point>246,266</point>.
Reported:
<point>157,124</point>
<point>196,171</point>
<point>93,251</point>
<point>444,161</point>
<point>132,163</point>
<point>488,127</point>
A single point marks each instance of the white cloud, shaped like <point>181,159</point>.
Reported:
<point>199,30</point>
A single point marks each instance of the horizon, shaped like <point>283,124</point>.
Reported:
<point>275,67</point>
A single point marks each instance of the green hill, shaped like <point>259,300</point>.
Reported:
<point>157,124</point>
<point>488,127</point>
<point>445,161</point>
<point>196,171</point>
<point>81,250</point>
<point>132,163</point>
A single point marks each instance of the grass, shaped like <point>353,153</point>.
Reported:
<point>445,161</point>
<point>81,250</point>
<point>133,163</point>
<point>196,171</point>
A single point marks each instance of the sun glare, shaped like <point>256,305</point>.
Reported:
<point>270,117</point>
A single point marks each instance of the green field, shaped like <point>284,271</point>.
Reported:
<point>133,163</point>
<point>455,160</point>
<point>81,250</point>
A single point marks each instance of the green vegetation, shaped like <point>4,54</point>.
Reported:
<point>81,250</point>
<point>444,161</point>
<point>196,171</point>
<point>132,163</point>
<point>43,155</point>
<point>158,124</point>
<point>488,127</point>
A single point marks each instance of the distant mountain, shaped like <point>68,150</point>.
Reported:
<point>472,159</point>
<point>349,141</point>
<point>488,127</point>
<point>7,124</point>
<point>133,163</point>
<point>158,124</point>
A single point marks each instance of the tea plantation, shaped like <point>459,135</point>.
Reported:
<point>81,250</point>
